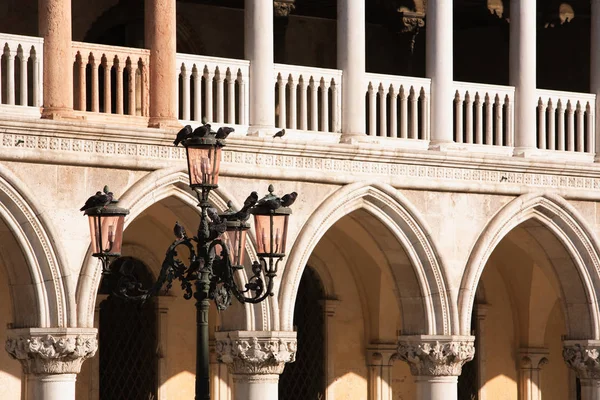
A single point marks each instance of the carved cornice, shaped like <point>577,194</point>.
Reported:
<point>256,353</point>
<point>53,351</point>
<point>436,355</point>
<point>283,8</point>
<point>583,357</point>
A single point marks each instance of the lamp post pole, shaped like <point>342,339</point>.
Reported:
<point>215,253</point>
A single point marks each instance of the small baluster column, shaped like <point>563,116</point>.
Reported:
<point>54,22</point>
<point>436,362</point>
<point>160,35</point>
<point>51,358</point>
<point>23,81</point>
<point>256,359</point>
<point>10,77</point>
<point>583,357</point>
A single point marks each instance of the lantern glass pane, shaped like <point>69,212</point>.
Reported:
<point>107,233</point>
<point>236,241</point>
<point>203,165</point>
<point>271,241</point>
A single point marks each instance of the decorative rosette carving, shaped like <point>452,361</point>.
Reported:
<point>436,355</point>
<point>583,357</point>
<point>59,353</point>
<point>262,354</point>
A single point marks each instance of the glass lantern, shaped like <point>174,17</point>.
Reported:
<point>106,229</point>
<point>235,238</point>
<point>204,158</point>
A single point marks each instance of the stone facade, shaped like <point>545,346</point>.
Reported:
<point>427,245</point>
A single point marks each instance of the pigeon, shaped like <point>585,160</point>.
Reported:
<point>289,199</point>
<point>222,133</point>
<point>219,228</point>
<point>98,200</point>
<point>179,231</point>
<point>93,201</point>
<point>250,201</point>
<point>273,204</point>
<point>213,215</point>
<point>183,134</point>
<point>279,134</point>
<point>201,131</point>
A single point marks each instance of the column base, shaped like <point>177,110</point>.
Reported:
<point>262,131</point>
<point>61,113</point>
<point>164,123</point>
<point>447,146</point>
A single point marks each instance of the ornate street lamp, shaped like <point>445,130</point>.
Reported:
<point>217,251</point>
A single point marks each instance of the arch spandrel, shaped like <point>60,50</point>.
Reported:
<point>170,183</point>
<point>41,292</point>
<point>384,203</point>
<point>556,217</point>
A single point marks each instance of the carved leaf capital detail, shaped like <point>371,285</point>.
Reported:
<point>256,355</point>
<point>436,357</point>
<point>583,359</point>
<point>50,354</point>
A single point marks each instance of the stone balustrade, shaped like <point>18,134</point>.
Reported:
<point>308,98</point>
<point>215,88</point>
<point>21,71</point>
<point>483,114</point>
<point>113,81</point>
<point>566,121</point>
<point>398,106</point>
<point>110,79</point>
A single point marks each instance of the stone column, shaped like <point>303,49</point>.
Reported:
<point>55,27</point>
<point>351,59</point>
<point>329,308</point>
<point>160,35</point>
<point>583,357</point>
<point>256,359</point>
<point>595,64</point>
<point>436,362</point>
<point>439,67</point>
<point>481,314</point>
<point>531,361</point>
<point>51,358</point>
<point>380,359</point>
<point>523,72</point>
<point>259,50</point>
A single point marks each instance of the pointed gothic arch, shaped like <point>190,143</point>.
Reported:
<point>154,187</point>
<point>396,213</point>
<point>568,226</point>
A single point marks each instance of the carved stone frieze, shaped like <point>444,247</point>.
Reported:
<point>436,355</point>
<point>53,352</point>
<point>261,354</point>
<point>583,357</point>
<point>283,8</point>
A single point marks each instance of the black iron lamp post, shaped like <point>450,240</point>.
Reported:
<point>213,256</point>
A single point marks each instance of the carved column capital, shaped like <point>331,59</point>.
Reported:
<point>283,8</point>
<point>381,354</point>
<point>436,355</point>
<point>255,352</point>
<point>583,357</point>
<point>533,358</point>
<point>411,21</point>
<point>51,350</point>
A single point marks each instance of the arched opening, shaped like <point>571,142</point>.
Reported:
<point>536,261</point>
<point>305,378</point>
<point>127,340</point>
